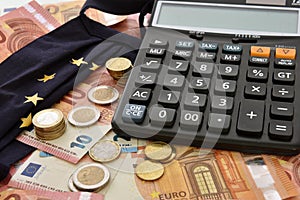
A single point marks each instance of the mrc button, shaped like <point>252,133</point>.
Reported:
<point>134,113</point>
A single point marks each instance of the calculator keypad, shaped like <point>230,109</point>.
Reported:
<point>245,93</point>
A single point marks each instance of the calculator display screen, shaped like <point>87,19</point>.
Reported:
<point>227,18</point>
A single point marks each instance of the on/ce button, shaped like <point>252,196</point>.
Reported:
<point>134,113</point>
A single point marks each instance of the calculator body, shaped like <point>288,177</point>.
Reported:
<point>225,89</point>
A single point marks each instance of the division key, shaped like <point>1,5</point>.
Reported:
<point>251,118</point>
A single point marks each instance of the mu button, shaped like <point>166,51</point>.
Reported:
<point>259,51</point>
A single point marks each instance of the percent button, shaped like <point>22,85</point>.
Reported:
<point>257,74</point>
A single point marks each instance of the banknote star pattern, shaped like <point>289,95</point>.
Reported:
<point>47,78</point>
<point>78,62</point>
<point>95,67</point>
<point>155,194</point>
<point>33,99</point>
<point>26,121</point>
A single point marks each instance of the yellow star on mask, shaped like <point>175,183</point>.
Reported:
<point>47,78</point>
<point>155,194</point>
<point>26,121</point>
<point>78,62</point>
<point>33,99</point>
<point>95,67</point>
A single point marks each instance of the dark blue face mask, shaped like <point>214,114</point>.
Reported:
<point>111,6</point>
<point>52,54</point>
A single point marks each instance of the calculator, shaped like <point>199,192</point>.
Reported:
<point>217,74</point>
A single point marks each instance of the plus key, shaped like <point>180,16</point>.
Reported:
<point>251,118</point>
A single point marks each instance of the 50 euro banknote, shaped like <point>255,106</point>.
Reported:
<point>23,25</point>
<point>193,174</point>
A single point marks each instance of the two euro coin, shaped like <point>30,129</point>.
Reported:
<point>49,124</point>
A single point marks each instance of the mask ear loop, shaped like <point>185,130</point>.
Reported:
<point>147,8</point>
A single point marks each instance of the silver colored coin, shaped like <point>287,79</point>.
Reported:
<point>71,185</point>
<point>91,176</point>
<point>84,116</point>
<point>103,94</point>
<point>105,151</point>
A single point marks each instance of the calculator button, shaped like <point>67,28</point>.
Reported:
<point>190,120</point>
<point>225,87</point>
<point>159,43</point>
<point>199,85</point>
<point>194,101</point>
<point>284,76</point>
<point>134,113</point>
<point>160,116</point>
<point>281,130</point>
<point>285,53</point>
<point>258,51</point>
<point>222,104</point>
<point>282,111</point>
<point>259,61</point>
<point>140,96</point>
<point>283,93</point>
<point>251,118</point>
<point>232,48</point>
<point>183,44</point>
<point>155,52</point>
<point>203,69</point>
<point>228,71</point>
<point>230,59</point>
<point>151,64</point>
<point>182,54</point>
<point>255,90</point>
<point>173,82</point>
<point>169,98</point>
<point>257,74</point>
<point>206,57</point>
<point>218,123</point>
<point>208,46</point>
<point>178,66</point>
<point>285,63</point>
<point>145,79</point>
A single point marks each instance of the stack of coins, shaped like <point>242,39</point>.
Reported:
<point>49,124</point>
<point>118,66</point>
<point>90,177</point>
<point>157,153</point>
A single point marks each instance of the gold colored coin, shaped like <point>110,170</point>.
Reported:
<point>118,66</point>
<point>103,94</point>
<point>149,171</point>
<point>158,151</point>
<point>91,176</point>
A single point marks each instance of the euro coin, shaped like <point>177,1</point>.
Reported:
<point>149,171</point>
<point>171,158</point>
<point>118,66</point>
<point>158,151</point>
<point>71,185</point>
<point>103,94</point>
<point>105,151</point>
<point>48,118</point>
<point>83,116</point>
<point>91,176</point>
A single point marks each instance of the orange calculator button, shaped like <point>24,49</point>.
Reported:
<point>285,53</point>
<point>258,51</point>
